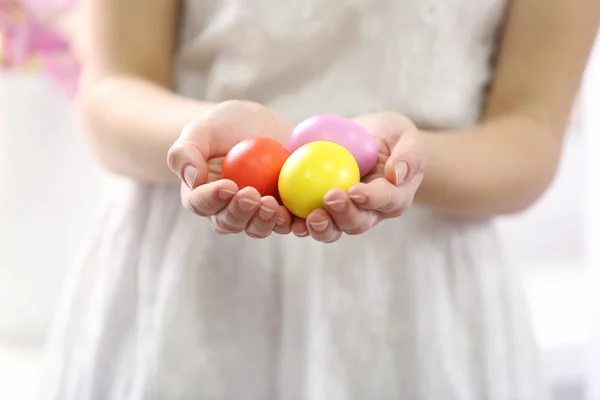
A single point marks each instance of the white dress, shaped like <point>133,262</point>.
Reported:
<point>420,308</point>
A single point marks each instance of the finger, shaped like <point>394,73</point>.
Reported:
<point>321,227</point>
<point>299,227</point>
<point>264,219</point>
<point>238,213</point>
<point>380,195</point>
<point>408,158</point>
<point>208,199</point>
<point>186,157</point>
<point>346,216</point>
<point>283,226</point>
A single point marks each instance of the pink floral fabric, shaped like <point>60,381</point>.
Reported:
<point>30,39</point>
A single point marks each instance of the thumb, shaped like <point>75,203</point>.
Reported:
<point>187,156</point>
<point>408,158</point>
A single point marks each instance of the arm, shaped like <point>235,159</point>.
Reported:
<point>131,114</point>
<point>504,164</point>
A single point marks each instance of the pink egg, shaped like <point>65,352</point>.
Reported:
<point>340,130</point>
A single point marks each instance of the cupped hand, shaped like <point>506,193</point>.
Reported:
<point>386,192</point>
<point>196,157</point>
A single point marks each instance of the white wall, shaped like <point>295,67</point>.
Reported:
<point>49,185</point>
<point>592,127</point>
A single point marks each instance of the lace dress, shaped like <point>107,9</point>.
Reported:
<point>420,308</point>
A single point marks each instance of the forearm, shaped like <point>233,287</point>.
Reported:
<point>132,123</point>
<point>498,167</point>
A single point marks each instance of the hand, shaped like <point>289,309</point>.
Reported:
<point>386,192</point>
<point>197,156</point>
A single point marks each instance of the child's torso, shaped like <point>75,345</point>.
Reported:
<point>429,59</point>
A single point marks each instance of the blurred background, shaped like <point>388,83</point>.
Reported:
<point>50,190</point>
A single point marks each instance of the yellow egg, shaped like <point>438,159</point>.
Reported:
<point>313,170</point>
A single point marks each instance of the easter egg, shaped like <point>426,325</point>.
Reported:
<point>255,162</point>
<point>313,170</point>
<point>340,130</point>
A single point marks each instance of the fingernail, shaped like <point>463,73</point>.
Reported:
<point>266,213</point>
<point>189,176</point>
<point>319,226</point>
<point>225,194</point>
<point>357,198</point>
<point>401,172</point>
<point>337,205</point>
<point>301,234</point>
<point>280,222</point>
<point>247,205</point>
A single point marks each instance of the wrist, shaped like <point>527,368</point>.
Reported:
<point>132,123</point>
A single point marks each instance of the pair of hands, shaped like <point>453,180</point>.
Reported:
<point>386,192</point>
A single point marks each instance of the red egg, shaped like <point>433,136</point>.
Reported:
<point>256,163</point>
